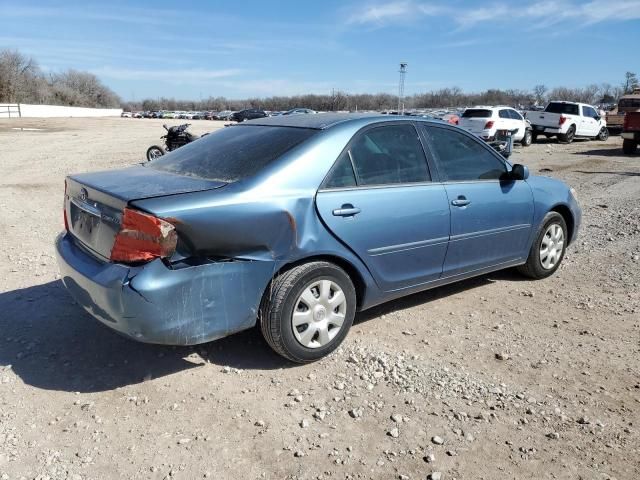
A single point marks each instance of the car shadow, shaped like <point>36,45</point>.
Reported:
<point>542,140</point>
<point>410,301</point>
<point>49,342</point>
<point>614,151</point>
<point>627,174</point>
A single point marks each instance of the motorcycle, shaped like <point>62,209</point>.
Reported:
<point>176,137</point>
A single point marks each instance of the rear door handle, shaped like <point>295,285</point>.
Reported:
<point>347,210</point>
<point>460,202</point>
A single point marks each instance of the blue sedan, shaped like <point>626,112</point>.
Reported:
<point>296,223</point>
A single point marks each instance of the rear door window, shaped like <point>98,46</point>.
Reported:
<point>386,155</point>
<point>389,154</point>
<point>504,114</point>
<point>515,115</point>
<point>232,153</point>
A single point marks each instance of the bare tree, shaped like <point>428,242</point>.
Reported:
<point>630,82</point>
<point>539,92</point>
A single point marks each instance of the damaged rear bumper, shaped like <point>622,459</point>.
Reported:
<point>156,304</point>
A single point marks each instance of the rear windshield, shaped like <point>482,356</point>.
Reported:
<point>557,107</point>
<point>476,113</point>
<point>232,153</point>
<point>629,103</point>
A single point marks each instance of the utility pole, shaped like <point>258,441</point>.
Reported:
<point>403,72</point>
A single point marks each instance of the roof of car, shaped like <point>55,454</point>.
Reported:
<point>320,121</point>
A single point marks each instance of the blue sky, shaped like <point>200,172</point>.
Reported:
<point>191,49</point>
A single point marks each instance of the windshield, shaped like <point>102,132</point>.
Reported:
<point>232,153</point>
<point>476,113</point>
<point>559,107</point>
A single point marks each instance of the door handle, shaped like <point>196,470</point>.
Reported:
<point>461,201</point>
<point>347,210</point>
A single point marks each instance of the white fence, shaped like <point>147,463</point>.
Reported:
<point>24,110</point>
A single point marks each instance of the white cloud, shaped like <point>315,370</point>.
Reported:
<point>540,13</point>
<point>394,11</point>
<point>178,76</point>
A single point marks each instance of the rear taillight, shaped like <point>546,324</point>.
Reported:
<point>562,120</point>
<point>143,237</point>
<point>488,125</point>
<point>64,208</point>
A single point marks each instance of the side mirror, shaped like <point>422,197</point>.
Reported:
<point>519,172</point>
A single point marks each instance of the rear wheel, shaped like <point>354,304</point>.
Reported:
<point>629,146</point>
<point>548,249</point>
<point>154,152</point>
<point>603,136</point>
<point>568,137</point>
<point>527,139</point>
<point>307,311</point>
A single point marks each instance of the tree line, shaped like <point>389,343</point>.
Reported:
<point>595,94</point>
<point>22,81</point>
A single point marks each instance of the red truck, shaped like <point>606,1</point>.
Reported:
<point>631,132</point>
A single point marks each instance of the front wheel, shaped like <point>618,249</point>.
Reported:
<point>527,139</point>
<point>629,146</point>
<point>307,311</point>
<point>603,136</point>
<point>154,152</point>
<point>548,249</point>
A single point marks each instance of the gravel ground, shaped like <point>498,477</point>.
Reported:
<point>497,377</point>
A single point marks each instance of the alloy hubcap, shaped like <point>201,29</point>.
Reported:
<point>551,246</point>
<point>319,313</point>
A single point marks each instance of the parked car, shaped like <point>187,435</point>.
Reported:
<point>292,222</point>
<point>567,121</point>
<point>487,121</point>
<point>138,115</point>
<point>631,132</point>
<point>247,114</point>
<point>223,115</point>
<point>452,118</point>
<point>296,111</point>
<point>627,103</point>
<point>126,115</point>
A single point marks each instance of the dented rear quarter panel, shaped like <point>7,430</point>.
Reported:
<point>271,217</point>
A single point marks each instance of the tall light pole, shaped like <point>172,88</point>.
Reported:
<point>403,72</point>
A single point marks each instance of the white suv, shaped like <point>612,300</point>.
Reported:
<point>486,121</point>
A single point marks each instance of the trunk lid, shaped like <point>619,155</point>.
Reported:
<point>94,201</point>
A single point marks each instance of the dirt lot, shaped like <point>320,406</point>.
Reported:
<point>517,379</point>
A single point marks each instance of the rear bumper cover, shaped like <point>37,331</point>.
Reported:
<point>155,304</point>
<point>631,135</point>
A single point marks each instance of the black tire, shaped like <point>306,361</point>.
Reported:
<point>534,268</point>
<point>629,146</point>
<point>527,139</point>
<point>603,136</point>
<point>154,152</point>
<point>569,136</point>
<point>279,301</point>
<point>534,137</point>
